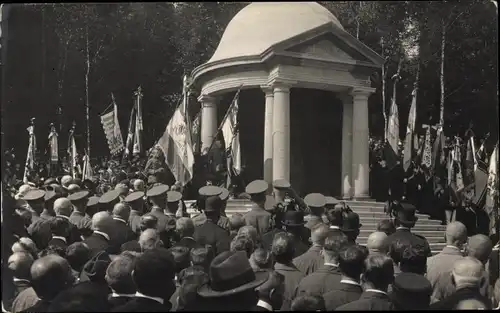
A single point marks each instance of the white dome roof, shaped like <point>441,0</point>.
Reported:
<point>261,25</point>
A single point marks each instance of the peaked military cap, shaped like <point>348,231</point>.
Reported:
<point>94,200</point>
<point>49,181</point>
<point>134,196</point>
<point>256,187</point>
<point>157,190</point>
<point>281,184</point>
<point>209,191</point>
<point>174,196</point>
<point>315,200</point>
<point>34,194</point>
<point>109,196</point>
<point>331,200</point>
<point>77,196</point>
<point>411,283</point>
<point>225,194</point>
<point>49,195</point>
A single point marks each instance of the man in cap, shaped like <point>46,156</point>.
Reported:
<point>210,233</point>
<point>121,232</point>
<point>207,191</point>
<point>316,203</point>
<point>283,191</point>
<point>293,223</point>
<point>66,180</point>
<point>258,217</point>
<point>79,217</point>
<point>351,226</point>
<point>93,206</point>
<point>108,200</point>
<point>100,239</point>
<point>39,229</point>
<point>49,198</point>
<point>63,208</point>
<point>173,200</point>
<point>166,224</point>
<point>73,188</point>
<point>136,202</point>
<point>411,291</point>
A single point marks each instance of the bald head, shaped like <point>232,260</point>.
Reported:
<point>66,180</point>
<point>184,227</point>
<point>50,275</point>
<point>319,234</point>
<point>149,239</point>
<point>25,244</point>
<point>468,272</point>
<point>456,234</point>
<point>20,265</point>
<point>121,210</point>
<point>63,206</point>
<point>138,185</point>
<point>101,221</point>
<point>470,304</point>
<point>480,247</point>
<point>376,242</point>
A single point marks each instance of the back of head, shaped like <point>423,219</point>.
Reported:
<point>181,258</point>
<point>319,233</point>
<point>468,272</point>
<point>201,257</point>
<point>101,221</point>
<point>154,273</point>
<point>184,227</point>
<point>396,249</point>
<point>456,234</point>
<point>20,265</point>
<point>121,210</point>
<point>480,247</point>
<point>352,262</point>
<point>379,271</point>
<point>63,206</point>
<point>119,274</point>
<point>236,221</point>
<point>193,274</point>
<point>308,303</point>
<point>149,239</point>
<point>190,280</point>
<point>77,255</point>
<point>335,242</point>
<point>53,249</point>
<point>471,304</point>
<point>25,244</point>
<point>59,226</point>
<point>50,275</point>
<point>376,242</point>
<point>138,185</point>
<point>148,221</point>
<point>413,260</point>
<point>283,248</point>
<point>386,226</point>
<point>411,291</point>
<point>242,243</point>
<point>249,231</point>
<point>261,259</point>
<point>334,216</point>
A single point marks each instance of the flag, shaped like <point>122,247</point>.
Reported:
<point>491,206</point>
<point>87,168</point>
<point>232,139</point>
<point>195,133</point>
<point>73,161</point>
<point>112,130</point>
<point>130,134</point>
<point>176,145</point>
<point>138,124</point>
<point>410,130</point>
<point>392,135</point>
<point>427,149</point>
<point>54,145</point>
<point>469,170</point>
<point>30,157</point>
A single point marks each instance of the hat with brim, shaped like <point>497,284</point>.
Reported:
<point>331,200</point>
<point>173,196</point>
<point>315,200</point>
<point>49,181</point>
<point>281,184</point>
<point>134,196</point>
<point>293,218</point>
<point>34,195</point>
<point>224,195</point>
<point>230,273</point>
<point>257,187</point>
<point>210,191</point>
<point>405,213</point>
<point>157,190</point>
<point>110,196</point>
<point>49,195</point>
<point>350,222</point>
<point>78,196</point>
<point>93,201</point>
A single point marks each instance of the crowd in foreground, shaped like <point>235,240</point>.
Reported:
<point>136,249</point>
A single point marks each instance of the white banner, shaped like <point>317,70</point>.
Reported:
<point>112,130</point>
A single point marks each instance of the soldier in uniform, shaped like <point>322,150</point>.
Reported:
<point>405,219</point>
<point>136,202</point>
<point>79,217</point>
<point>201,218</point>
<point>258,217</point>
<point>108,200</point>
<point>93,206</point>
<point>48,211</point>
<point>331,202</point>
<point>166,223</point>
<point>316,203</point>
<point>39,229</point>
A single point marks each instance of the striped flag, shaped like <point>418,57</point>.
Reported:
<point>72,153</point>
<point>30,157</point>
<point>410,130</point>
<point>54,145</point>
<point>176,145</point>
<point>392,135</point>
<point>491,206</point>
<point>87,168</point>
<point>232,139</point>
<point>130,135</point>
<point>195,132</point>
<point>138,124</point>
<point>427,149</point>
<point>469,170</point>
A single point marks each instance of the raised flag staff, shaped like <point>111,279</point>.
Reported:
<point>130,135</point>
<point>137,147</point>
<point>72,152</point>
<point>231,136</point>
<point>54,149</point>
<point>30,157</point>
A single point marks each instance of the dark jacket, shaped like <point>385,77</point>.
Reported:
<point>310,261</point>
<point>201,218</point>
<point>139,304</point>
<point>134,221</point>
<point>121,234</point>
<point>406,236</point>
<point>115,302</point>
<point>345,293</point>
<point>189,243</point>
<point>39,231</point>
<point>258,218</point>
<point>58,242</point>
<point>132,245</point>
<point>40,306</point>
<point>96,243</point>
<point>292,278</point>
<point>326,278</point>
<point>82,222</point>
<point>450,302</point>
<point>211,234</point>
<point>369,301</point>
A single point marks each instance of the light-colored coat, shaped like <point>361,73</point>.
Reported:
<point>439,269</point>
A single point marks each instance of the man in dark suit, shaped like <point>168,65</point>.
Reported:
<point>79,217</point>
<point>351,226</point>
<point>185,230</point>
<point>147,221</point>
<point>411,291</point>
<point>258,217</point>
<point>310,261</point>
<point>271,293</point>
<point>121,232</point>
<point>166,224</point>
<point>153,275</point>
<point>39,229</point>
<point>351,264</point>
<point>467,276</point>
<point>136,202</point>
<point>223,221</point>
<point>210,233</point>
<point>119,279</point>
<point>378,275</point>
<point>327,277</point>
<point>100,238</point>
<point>63,209</point>
<point>60,228</point>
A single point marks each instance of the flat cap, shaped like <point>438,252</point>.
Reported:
<point>49,195</point>
<point>173,196</point>
<point>209,191</point>
<point>34,194</point>
<point>225,194</point>
<point>157,190</point>
<point>412,283</point>
<point>93,201</point>
<point>134,196</point>
<point>315,200</point>
<point>331,200</point>
<point>77,196</point>
<point>49,181</point>
<point>281,184</point>
<point>109,196</point>
<point>257,187</point>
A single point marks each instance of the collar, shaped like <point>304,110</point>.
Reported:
<point>188,238</point>
<point>285,267</point>
<point>331,264</point>
<point>60,238</point>
<point>102,234</point>
<point>169,214</point>
<point>140,295</point>
<point>120,219</point>
<point>63,216</point>
<point>377,291</point>
<point>265,305</point>
<point>402,228</point>
<point>349,282</point>
<point>75,212</point>
<point>116,295</point>
<point>19,280</point>
<point>334,227</point>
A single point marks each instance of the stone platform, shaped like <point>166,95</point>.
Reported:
<point>370,214</point>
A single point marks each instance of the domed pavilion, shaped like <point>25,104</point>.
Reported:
<point>303,108</point>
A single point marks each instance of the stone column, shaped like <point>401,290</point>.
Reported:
<point>208,120</point>
<point>268,136</point>
<point>360,144</point>
<point>346,178</point>
<point>281,131</point>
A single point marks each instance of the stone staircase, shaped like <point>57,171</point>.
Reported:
<point>370,214</point>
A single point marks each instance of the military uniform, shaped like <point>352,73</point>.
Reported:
<point>81,220</point>
<point>165,223</point>
<point>136,201</point>
<point>258,217</point>
<point>109,199</point>
<point>39,229</point>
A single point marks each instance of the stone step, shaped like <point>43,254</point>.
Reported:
<point>362,239</point>
<point>420,226</point>
<point>425,233</point>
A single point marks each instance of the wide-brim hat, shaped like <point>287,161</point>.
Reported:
<point>293,218</point>
<point>109,197</point>
<point>331,200</point>
<point>230,273</point>
<point>173,196</point>
<point>405,213</point>
<point>210,191</point>
<point>34,195</point>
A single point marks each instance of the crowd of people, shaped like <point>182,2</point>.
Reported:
<point>68,246</point>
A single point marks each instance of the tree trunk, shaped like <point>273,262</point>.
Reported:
<point>384,110</point>
<point>441,75</point>
<point>87,107</point>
